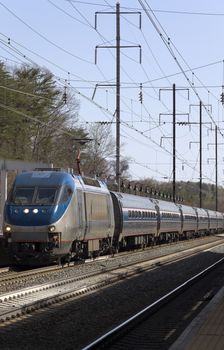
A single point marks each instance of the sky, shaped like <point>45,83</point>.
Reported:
<point>181,43</point>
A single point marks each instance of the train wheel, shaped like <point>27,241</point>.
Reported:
<point>63,260</point>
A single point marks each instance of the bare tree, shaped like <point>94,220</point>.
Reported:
<point>99,151</point>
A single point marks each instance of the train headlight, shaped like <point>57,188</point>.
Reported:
<point>35,211</point>
<point>8,228</point>
<point>51,228</point>
<point>26,211</point>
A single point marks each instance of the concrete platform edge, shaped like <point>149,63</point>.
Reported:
<point>186,337</point>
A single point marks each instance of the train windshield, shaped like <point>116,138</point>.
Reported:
<point>22,196</point>
<point>32,195</point>
<point>45,196</point>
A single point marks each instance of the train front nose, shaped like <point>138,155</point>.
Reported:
<point>31,245</point>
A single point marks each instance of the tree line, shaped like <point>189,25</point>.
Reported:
<point>187,193</point>
<point>40,122</point>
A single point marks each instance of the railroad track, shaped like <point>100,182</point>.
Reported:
<point>18,302</point>
<point>4,270</point>
<point>135,330</point>
<point>12,277</point>
<point>9,275</point>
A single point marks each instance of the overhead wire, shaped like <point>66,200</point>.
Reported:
<point>85,97</point>
<point>168,43</point>
<point>36,54</point>
<point>25,93</point>
<point>149,114</point>
<point>19,113</point>
<point>44,37</point>
<point>155,10</point>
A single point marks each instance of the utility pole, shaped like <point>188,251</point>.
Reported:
<point>174,135</point>
<point>200,154</point>
<point>216,165</point>
<point>216,169</point>
<point>200,146</point>
<point>174,142</point>
<point>118,88</point>
<point>118,78</point>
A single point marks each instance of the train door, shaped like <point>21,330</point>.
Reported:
<point>158,213</point>
<point>118,219</point>
<point>182,219</point>
<point>82,224</point>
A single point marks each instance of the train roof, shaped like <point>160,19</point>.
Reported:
<point>43,178</point>
<point>213,213</point>
<point>202,212</point>
<point>56,178</point>
<point>133,201</point>
<point>166,206</point>
<point>187,209</point>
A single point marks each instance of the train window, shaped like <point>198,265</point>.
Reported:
<point>65,194</point>
<point>45,195</point>
<point>23,195</point>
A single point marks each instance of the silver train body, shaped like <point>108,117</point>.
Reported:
<point>53,216</point>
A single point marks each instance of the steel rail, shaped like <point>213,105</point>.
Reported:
<point>18,302</point>
<point>115,333</point>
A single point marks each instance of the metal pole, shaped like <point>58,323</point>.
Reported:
<point>200,151</point>
<point>216,169</point>
<point>174,143</point>
<point>118,96</point>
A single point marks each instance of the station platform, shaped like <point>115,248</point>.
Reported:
<point>206,331</point>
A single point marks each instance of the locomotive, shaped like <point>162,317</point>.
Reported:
<point>52,216</point>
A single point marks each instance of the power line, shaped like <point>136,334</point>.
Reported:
<point>166,39</point>
<point>154,10</point>
<point>24,93</point>
<point>133,83</point>
<point>44,37</point>
<point>34,119</point>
